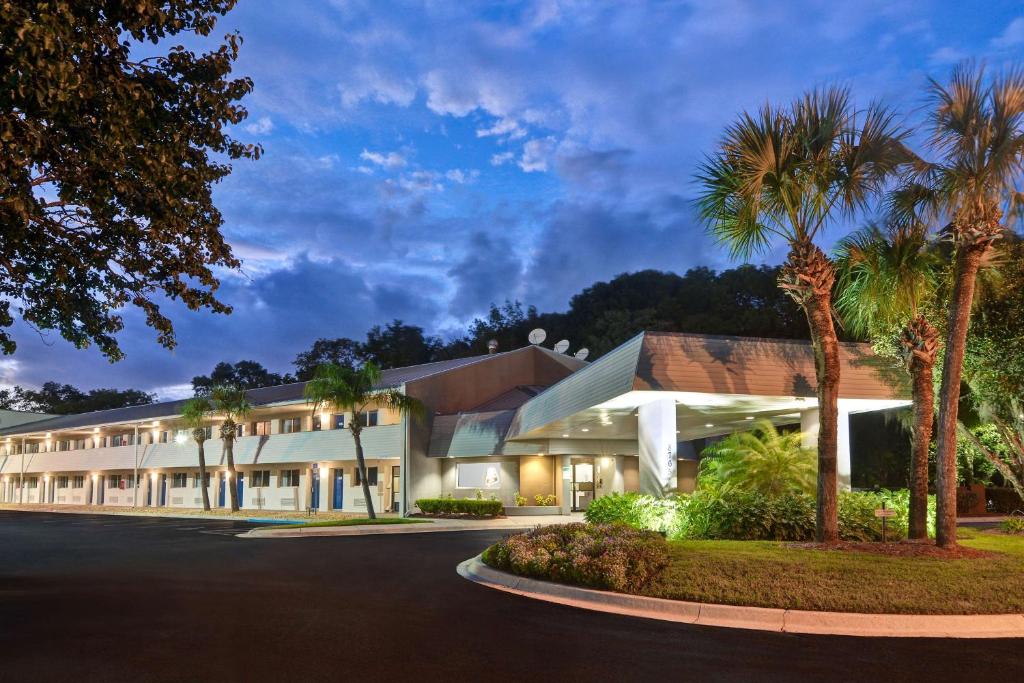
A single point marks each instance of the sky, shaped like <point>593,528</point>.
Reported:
<point>424,159</point>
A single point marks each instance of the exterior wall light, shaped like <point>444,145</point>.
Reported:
<point>180,438</point>
<point>708,425</point>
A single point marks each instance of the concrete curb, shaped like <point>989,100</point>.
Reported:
<point>373,530</point>
<point>754,618</point>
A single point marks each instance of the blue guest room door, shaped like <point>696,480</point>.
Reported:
<point>339,488</point>
<point>220,494</point>
<point>241,487</point>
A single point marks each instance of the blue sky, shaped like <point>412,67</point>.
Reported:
<point>424,159</point>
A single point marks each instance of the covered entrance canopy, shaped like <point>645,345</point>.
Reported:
<point>658,392</point>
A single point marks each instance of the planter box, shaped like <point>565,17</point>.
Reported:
<point>531,510</point>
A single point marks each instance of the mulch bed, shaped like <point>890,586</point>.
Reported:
<point>900,549</point>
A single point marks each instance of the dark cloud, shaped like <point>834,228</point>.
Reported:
<point>489,272</point>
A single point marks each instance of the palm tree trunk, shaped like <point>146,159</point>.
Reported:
<point>229,451</point>
<point>361,464</point>
<point>920,342</point>
<point>202,476</point>
<point>808,277</point>
<point>968,260</point>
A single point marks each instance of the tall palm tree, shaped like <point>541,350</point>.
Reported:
<point>888,279</point>
<point>197,413</point>
<point>763,460</point>
<point>783,174</point>
<point>231,404</point>
<point>977,133</point>
<point>353,390</point>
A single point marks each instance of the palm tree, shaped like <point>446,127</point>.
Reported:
<point>196,414</point>
<point>888,279</point>
<point>230,402</point>
<point>345,389</point>
<point>762,460</point>
<point>783,174</point>
<point>977,133</point>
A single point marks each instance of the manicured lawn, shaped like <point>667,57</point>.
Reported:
<point>352,522</point>
<point>770,574</point>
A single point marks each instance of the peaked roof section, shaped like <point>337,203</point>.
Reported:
<point>264,396</point>
<point>707,364</point>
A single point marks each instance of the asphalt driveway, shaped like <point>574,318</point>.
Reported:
<point>130,598</point>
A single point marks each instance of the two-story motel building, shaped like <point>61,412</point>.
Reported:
<point>530,421</point>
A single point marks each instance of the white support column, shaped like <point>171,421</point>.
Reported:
<point>656,431</point>
<point>809,427</point>
<point>564,475</point>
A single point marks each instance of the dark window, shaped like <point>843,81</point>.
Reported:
<point>371,477</point>
<point>164,436</point>
<point>78,481</point>
<point>33,482</point>
<point>113,481</point>
<point>288,478</point>
<point>261,428</point>
<point>369,418</point>
<point>339,420</point>
<point>239,430</point>
<point>290,425</point>
<point>195,480</point>
<point>179,480</point>
<point>62,482</point>
<point>259,478</point>
<point>316,423</point>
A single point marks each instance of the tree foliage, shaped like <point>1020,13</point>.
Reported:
<point>65,399</point>
<point>245,374</point>
<point>107,162</point>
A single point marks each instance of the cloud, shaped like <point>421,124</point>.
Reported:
<point>262,126</point>
<point>503,128</point>
<point>537,154</point>
<point>945,56</point>
<point>1011,36</point>
<point>502,158</point>
<point>488,272</point>
<point>387,160</point>
<point>460,177</point>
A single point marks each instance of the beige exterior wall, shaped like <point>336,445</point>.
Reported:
<point>686,476</point>
<point>631,474</point>
<point>536,476</point>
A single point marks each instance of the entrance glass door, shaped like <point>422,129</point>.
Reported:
<point>395,491</point>
<point>582,484</point>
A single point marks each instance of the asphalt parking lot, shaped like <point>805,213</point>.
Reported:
<point>91,597</point>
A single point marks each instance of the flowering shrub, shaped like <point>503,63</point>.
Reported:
<point>609,556</point>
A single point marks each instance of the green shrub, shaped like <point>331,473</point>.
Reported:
<point>728,513</point>
<point>609,556</point>
<point>545,500</point>
<point>520,500</point>
<point>638,510</point>
<point>1012,525</point>
<point>460,506</point>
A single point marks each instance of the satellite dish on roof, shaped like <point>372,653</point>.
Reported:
<point>538,336</point>
<point>582,353</point>
<point>562,346</point>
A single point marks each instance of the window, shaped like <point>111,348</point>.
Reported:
<point>79,444</point>
<point>195,480</point>
<point>288,478</point>
<point>31,448</point>
<point>32,482</point>
<point>179,480</point>
<point>369,418</point>
<point>371,477</point>
<point>239,430</point>
<point>129,481</point>
<point>290,425</point>
<point>78,481</point>
<point>477,475</point>
<point>113,481</point>
<point>62,482</point>
<point>118,440</point>
<point>261,428</point>
<point>316,423</point>
<point>339,420</point>
<point>259,478</point>
<point>165,436</point>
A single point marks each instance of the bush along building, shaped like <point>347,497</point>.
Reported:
<point>530,426</point>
